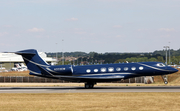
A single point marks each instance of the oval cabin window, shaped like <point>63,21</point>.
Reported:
<point>141,68</point>
<point>126,68</point>
<point>111,69</point>
<point>88,70</point>
<point>103,69</point>
<point>133,68</point>
<point>118,69</point>
<point>95,70</point>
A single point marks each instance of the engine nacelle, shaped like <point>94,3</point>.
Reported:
<point>62,70</point>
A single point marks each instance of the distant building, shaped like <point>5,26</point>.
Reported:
<point>7,60</point>
<point>68,58</point>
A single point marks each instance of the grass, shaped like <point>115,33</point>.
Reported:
<point>15,73</point>
<point>91,102</point>
<point>172,79</point>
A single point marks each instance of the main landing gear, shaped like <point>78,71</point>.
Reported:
<point>89,85</point>
<point>164,77</point>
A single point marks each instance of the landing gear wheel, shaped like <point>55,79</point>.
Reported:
<point>164,77</point>
<point>165,82</point>
<point>89,85</point>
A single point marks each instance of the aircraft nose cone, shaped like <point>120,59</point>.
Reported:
<point>176,70</point>
<point>173,70</point>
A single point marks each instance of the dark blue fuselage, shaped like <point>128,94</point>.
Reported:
<point>109,72</point>
<point>91,74</point>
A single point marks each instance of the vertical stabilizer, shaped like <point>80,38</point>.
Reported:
<point>32,60</point>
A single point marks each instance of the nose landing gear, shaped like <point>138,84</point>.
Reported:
<point>164,77</point>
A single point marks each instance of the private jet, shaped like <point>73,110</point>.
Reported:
<point>91,74</point>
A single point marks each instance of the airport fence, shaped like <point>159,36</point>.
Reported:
<point>23,79</point>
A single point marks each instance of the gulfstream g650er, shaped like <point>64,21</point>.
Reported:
<point>91,74</point>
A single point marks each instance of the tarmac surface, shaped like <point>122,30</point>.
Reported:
<point>81,89</point>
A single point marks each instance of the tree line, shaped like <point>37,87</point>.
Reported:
<point>100,58</point>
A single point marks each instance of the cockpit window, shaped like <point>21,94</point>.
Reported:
<point>161,65</point>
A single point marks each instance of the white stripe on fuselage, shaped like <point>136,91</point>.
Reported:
<point>36,63</point>
<point>153,67</point>
<point>102,74</point>
<point>105,74</point>
<point>35,72</point>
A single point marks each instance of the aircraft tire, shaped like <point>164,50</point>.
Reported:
<point>88,86</point>
<point>91,85</point>
<point>165,82</point>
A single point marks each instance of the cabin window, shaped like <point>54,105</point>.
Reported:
<point>141,68</point>
<point>110,69</point>
<point>161,65</point>
<point>133,68</point>
<point>126,68</point>
<point>88,70</point>
<point>118,69</point>
<point>95,70</point>
<point>103,69</point>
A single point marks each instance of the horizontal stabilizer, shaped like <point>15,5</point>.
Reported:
<point>30,51</point>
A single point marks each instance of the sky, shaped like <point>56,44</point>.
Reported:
<point>89,25</point>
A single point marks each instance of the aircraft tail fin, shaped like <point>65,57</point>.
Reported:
<point>33,61</point>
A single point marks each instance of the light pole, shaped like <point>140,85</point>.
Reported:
<point>169,54</point>
<point>81,60</point>
<point>62,53</point>
<point>10,64</point>
<point>77,61</point>
<point>166,52</point>
<point>56,52</point>
<point>165,77</point>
